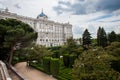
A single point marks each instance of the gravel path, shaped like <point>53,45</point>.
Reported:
<point>31,73</point>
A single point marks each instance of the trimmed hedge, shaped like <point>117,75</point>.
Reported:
<point>56,54</point>
<point>54,66</point>
<point>46,64</point>
<point>66,60</point>
<point>69,60</point>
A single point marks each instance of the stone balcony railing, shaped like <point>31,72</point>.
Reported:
<point>4,72</point>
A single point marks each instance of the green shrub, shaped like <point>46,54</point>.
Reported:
<point>46,64</point>
<point>54,66</point>
<point>56,54</point>
<point>66,60</point>
<point>71,60</point>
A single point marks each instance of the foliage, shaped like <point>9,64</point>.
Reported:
<point>79,50</point>
<point>86,38</point>
<point>54,48</point>
<point>14,35</point>
<point>101,37</point>
<point>46,64</point>
<point>56,54</point>
<point>65,74</point>
<point>40,52</point>
<point>94,42</point>
<point>66,60</point>
<point>94,64</point>
<point>54,66</point>
<point>70,45</point>
<point>112,37</point>
<point>32,53</point>
<point>118,37</point>
<point>69,60</point>
<point>114,50</point>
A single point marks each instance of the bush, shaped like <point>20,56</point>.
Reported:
<point>56,54</point>
<point>54,66</point>
<point>46,64</point>
<point>71,60</point>
<point>66,60</point>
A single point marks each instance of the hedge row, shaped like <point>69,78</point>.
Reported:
<point>51,65</point>
<point>54,66</point>
<point>69,60</point>
<point>46,64</point>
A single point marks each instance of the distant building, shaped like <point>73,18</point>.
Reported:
<point>50,33</point>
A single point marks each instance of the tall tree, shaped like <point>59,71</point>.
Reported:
<point>112,37</point>
<point>16,35</point>
<point>98,36</point>
<point>86,38</point>
<point>71,45</point>
<point>118,37</point>
<point>101,37</point>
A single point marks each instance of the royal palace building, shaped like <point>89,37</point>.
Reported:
<point>50,33</point>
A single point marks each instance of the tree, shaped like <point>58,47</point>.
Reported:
<point>2,49</point>
<point>71,43</point>
<point>114,50</point>
<point>118,37</point>
<point>69,46</point>
<point>39,52</point>
<point>101,37</point>
<point>98,36</point>
<point>94,65</point>
<point>86,38</point>
<point>15,35</point>
<point>112,37</point>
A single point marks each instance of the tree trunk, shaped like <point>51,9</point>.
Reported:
<point>11,55</point>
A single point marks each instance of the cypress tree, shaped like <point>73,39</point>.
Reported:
<point>98,36</point>
<point>101,37</point>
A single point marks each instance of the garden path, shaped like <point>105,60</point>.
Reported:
<point>30,73</point>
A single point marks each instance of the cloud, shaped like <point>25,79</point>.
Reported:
<point>17,6</point>
<point>81,14</point>
<point>102,17</point>
<point>78,30</point>
<point>87,6</point>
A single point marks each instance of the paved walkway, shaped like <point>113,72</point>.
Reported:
<point>31,73</point>
<point>13,75</point>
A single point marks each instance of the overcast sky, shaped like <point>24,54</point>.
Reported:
<point>81,14</point>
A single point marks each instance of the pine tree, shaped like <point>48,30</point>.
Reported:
<point>86,38</point>
<point>118,37</point>
<point>15,34</point>
<point>112,37</point>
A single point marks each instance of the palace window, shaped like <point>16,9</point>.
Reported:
<point>46,40</point>
<point>40,39</point>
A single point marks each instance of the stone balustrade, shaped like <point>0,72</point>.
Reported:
<point>4,72</point>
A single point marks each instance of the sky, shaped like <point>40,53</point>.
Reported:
<point>82,14</point>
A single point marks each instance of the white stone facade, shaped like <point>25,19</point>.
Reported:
<point>50,33</point>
